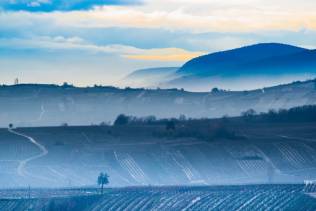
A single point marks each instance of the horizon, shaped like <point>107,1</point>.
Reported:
<point>101,42</point>
<point>280,81</point>
<point>65,83</point>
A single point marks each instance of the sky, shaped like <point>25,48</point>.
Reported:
<point>87,42</point>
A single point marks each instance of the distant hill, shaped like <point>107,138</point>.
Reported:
<point>38,105</point>
<point>251,58</point>
<point>150,77</point>
<point>151,72</point>
<point>304,62</point>
<point>250,67</point>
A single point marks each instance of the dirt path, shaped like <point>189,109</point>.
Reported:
<point>21,168</point>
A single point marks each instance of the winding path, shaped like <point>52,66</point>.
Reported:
<point>21,168</point>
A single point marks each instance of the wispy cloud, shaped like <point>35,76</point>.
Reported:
<point>78,44</point>
<point>165,54</point>
<point>59,5</point>
<point>208,16</point>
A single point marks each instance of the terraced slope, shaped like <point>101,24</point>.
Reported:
<point>136,155</point>
<point>255,197</point>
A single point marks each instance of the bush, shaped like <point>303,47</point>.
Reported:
<point>215,90</point>
<point>249,114</point>
<point>121,120</point>
<point>222,132</point>
<point>171,125</point>
<point>64,125</point>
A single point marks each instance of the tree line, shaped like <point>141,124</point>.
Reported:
<point>297,114</point>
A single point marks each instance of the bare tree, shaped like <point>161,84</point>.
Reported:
<point>16,81</point>
<point>171,125</point>
<point>103,179</point>
<point>122,120</point>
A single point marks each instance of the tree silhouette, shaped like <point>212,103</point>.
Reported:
<point>170,125</point>
<point>249,114</point>
<point>103,179</point>
<point>121,120</point>
<point>64,124</point>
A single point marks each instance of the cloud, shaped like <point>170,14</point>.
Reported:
<point>166,54</point>
<point>220,19</point>
<point>181,15</point>
<point>117,35</point>
<point>78,44</point>
<point>59,5</point>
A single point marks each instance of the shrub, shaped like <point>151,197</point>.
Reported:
<point>121,120</point>
<point>171,125</point>
<point>64,124</point>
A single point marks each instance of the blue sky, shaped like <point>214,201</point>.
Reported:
<point>60,5</point>
<point>100,41</point>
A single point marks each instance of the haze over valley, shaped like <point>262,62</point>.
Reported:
<point>51,105</point>
<point>182,105</point>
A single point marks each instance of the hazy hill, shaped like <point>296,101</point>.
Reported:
<point>236,61</point>
<point>250,67</point>
<point>304,62</point>
<point>152,72</point>
<point>150,77</point>
<point>38,105</point>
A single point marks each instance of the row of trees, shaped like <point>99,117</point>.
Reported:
<point>123,119</point>
<point>301,114</point>
<point>296,114</point>
<point>207,129</point>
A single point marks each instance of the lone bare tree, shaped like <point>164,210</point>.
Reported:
<point>16,81</point>
<point>103,179</point>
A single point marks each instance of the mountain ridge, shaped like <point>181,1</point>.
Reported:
<point>220,61</point>
<point>268,64</point>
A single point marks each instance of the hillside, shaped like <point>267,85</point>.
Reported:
<point>249,67</point>
<point>204,152</point>
<point>47,105</point>
<point>304,61</point>
<point>234,62</point>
